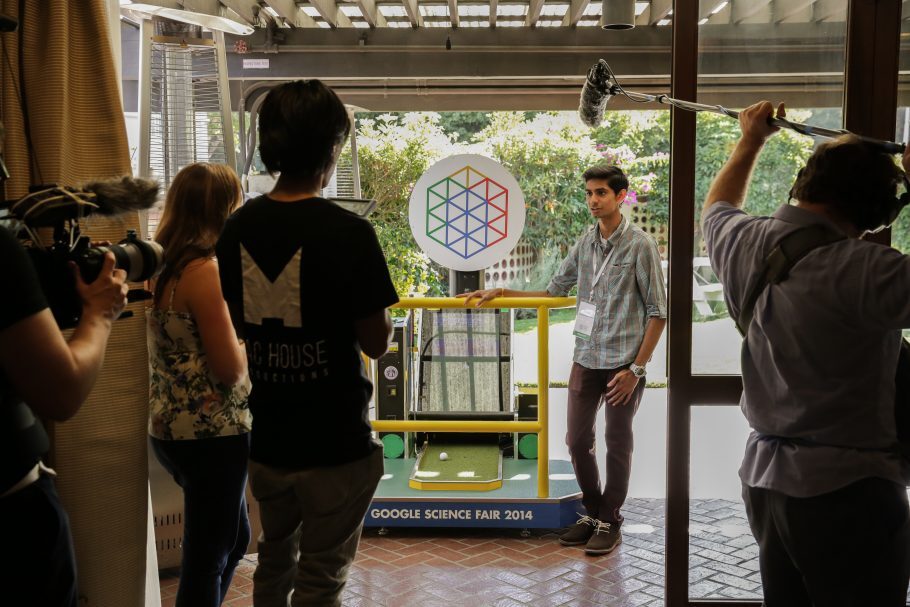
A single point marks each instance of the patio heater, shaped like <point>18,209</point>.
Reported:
<point>185,117</point>
<point>184,101</point>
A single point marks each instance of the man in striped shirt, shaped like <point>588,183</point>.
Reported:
<point>621,312</point>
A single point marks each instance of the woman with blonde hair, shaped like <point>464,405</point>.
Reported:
<point>199,421</point>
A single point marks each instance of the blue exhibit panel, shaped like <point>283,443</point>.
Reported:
<point>432,513</point>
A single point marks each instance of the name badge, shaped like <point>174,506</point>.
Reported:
<point>584,319</point>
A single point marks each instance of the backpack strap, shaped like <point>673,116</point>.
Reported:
<point>787,253</point>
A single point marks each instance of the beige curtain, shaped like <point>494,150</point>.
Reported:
<point>68,84</point>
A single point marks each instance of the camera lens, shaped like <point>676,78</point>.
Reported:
<point>141,259</point>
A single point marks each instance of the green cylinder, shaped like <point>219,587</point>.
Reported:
<point>527,446</point>
<point>393,446</point>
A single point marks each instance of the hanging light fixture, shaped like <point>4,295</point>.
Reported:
<point>618,14</point>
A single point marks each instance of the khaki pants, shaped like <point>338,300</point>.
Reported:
<point>311,524</point>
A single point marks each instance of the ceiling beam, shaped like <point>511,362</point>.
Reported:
<point>784,9</point>
<point>453,13</point>
<point>707,8</point>
<point>534,8</point>
<point>660,9</point>
<point>371,13</point>
<point>574,12</point>
<point>244,8</point>
<point>413,11</point>
<point>290,12</point>
<point>329,11</point>
<point>206,7</point>
<point>167,4</point>
<point>825,9</point>
<point>494,5</point>
<point>742,10</point>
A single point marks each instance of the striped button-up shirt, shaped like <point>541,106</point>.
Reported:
<point>630,291</point>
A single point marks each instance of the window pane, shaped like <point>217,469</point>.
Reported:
<point>723,555</point>
<point>900,232</point>
<point>749,51</point>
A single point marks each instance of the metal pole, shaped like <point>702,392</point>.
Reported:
<point>804,129</point>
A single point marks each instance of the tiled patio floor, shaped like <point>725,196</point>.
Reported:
<point>499,568</point>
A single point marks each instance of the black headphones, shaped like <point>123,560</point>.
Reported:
<point>878,214</point>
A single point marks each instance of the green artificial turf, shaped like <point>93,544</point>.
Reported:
<point>466,463</point>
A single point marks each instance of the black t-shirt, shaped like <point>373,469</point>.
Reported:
<point>301,273</point>
<point>20,447</point>
<point>22,291</point>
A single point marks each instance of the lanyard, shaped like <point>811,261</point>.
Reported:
<point>609,254</point>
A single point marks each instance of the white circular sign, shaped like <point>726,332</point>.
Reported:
<point>390,373</point>
<point>467,212</point>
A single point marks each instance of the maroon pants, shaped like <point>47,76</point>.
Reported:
<point>587,392</point>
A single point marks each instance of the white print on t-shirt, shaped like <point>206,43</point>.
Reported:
<point>273,361</point>
<point>263,298</point>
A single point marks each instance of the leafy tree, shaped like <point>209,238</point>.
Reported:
<point>546,154</point>
<point>463,126</point>
<point>393,152</point>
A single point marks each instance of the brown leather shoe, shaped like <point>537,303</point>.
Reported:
<point>580,532</point>
<point>605,539</point>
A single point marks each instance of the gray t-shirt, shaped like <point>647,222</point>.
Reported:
<point>819,359</point>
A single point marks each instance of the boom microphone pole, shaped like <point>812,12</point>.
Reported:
<point>601,85</point>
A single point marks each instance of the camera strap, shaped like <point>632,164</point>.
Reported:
<point>788,251</point>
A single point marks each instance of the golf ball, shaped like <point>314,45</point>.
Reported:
<point>443,456</point>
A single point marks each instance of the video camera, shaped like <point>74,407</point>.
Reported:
<point>59,210</point>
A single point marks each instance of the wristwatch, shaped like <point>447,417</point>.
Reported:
<point>636,370</point>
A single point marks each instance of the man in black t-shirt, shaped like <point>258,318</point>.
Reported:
<point>42,374</point>
<point>308,288</point>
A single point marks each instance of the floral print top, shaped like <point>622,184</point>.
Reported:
<point>186,401</point>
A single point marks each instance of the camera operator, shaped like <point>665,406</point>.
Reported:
<point>43,375</point>
<point>821,476</point>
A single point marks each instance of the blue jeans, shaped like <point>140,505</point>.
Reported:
<point>216,529</point>
<point>42,567</point>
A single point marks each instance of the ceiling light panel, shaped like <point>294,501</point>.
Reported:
<point>434,10</point>
<point>512,10</point>
<point>473,10</point>
<point>554,10</point>
<point>392,10</point>
<point>351,11</point>
<point>594,8</point>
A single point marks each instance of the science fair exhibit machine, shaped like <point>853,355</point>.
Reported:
<point>463,448</point>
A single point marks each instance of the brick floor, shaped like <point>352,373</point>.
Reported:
<point>501,568</point>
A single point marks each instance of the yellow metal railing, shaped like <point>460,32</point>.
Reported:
<point>543,305</point>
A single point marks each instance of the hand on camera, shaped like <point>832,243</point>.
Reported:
<point>482,296</point>
<point>106,296</point>
<point>754,121</point>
